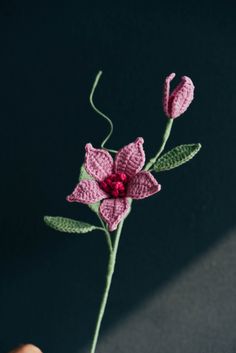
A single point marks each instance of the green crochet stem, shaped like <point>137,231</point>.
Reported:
<point>114,247</point>
<point>110,271</point>
<point>101,113</point>
<point>108,236</point>
<point>164,140</point>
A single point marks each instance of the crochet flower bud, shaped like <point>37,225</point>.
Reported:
<point>178,101</point>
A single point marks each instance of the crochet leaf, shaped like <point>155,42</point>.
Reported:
<point>177,156</point>
<point>94,206</point>
<point>68,225</point>
<point>84,175</point>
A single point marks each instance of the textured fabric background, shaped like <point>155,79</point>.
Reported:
<point>175,284</point>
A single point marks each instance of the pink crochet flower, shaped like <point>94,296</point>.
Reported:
<point>115,182</point>
<point>178,102</point>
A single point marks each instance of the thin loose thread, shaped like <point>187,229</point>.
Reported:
<point>101,113</point>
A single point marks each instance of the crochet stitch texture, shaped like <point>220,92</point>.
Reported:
<point>178,102</point>
<point>115,181</point>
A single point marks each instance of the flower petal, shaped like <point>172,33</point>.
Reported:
<point>131,158</point>
<point>181,97</point>
<point>98,162</point>
<point>142,185</point>
<point>113,211</point>
<point>166,93</point>
<point>87,191</point>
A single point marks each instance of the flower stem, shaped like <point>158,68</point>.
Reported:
<point>164,140</point>
<point>101,113</point>
<point>108,235</point>
<point>110,270</point>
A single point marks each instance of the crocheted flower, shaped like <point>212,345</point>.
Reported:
<point>115,181</point>
<point>178,102</point>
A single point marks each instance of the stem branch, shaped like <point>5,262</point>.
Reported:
<point>164,140</point>
<point>108,235</point>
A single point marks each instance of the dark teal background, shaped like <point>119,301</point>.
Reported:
<point>51,283</point>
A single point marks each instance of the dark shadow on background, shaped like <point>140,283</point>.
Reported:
<point>51,284</point>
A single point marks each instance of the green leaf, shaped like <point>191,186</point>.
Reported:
<point>94,206</point>
<point>83,174</point>
<point>68,225</point>
<point>177,156</point>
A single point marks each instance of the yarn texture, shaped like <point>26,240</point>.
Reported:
<point>108,186</point>
<point>115,181</point>
<point>178,102</point>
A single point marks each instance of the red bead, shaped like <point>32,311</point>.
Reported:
<point>115,185</point>
<point>115,193</point>
<point>122,176</point>
<point>120,186</point>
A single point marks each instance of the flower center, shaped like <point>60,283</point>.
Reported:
<point>115,185</point>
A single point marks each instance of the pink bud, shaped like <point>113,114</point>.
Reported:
<point>175,104</point>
